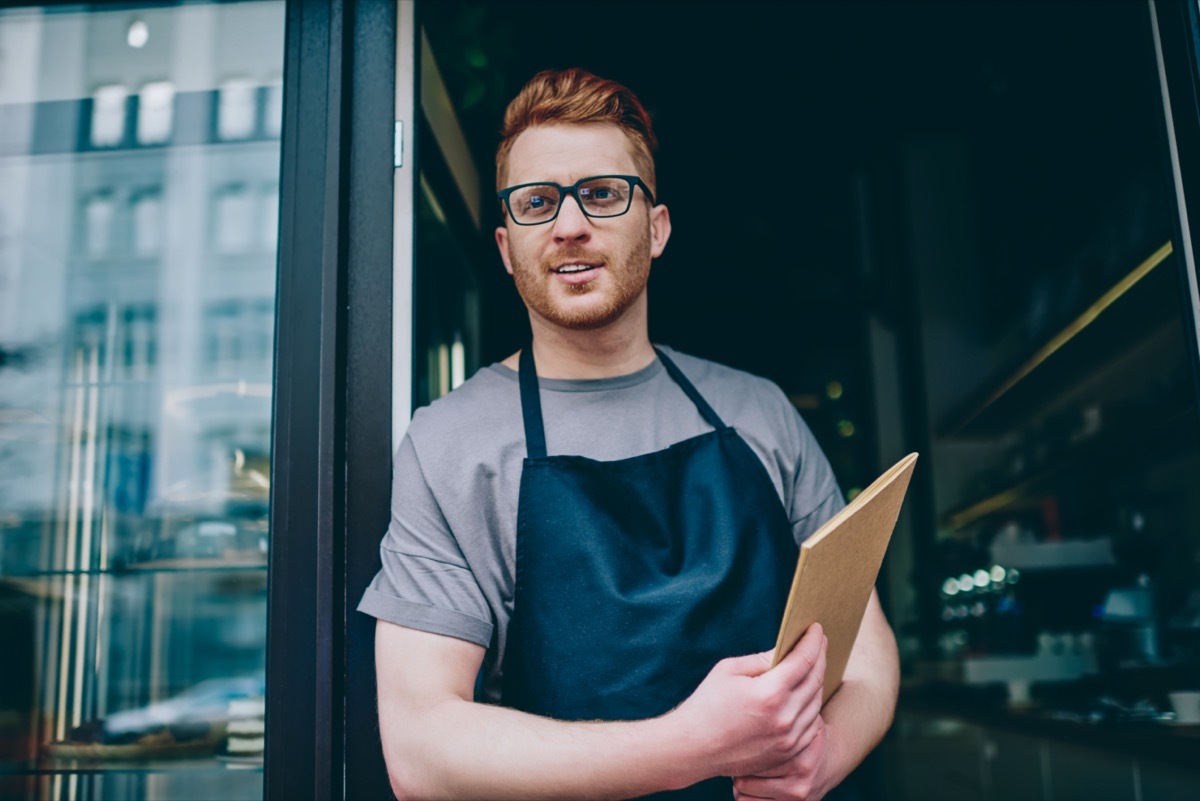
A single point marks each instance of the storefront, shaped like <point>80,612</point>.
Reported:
<point>241,241</point>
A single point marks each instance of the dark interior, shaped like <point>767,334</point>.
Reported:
<point>797,116</point>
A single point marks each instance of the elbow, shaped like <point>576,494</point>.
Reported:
<point>407,784</point>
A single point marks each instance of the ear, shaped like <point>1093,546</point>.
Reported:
<point>660,230</point>
<point>502,244</point>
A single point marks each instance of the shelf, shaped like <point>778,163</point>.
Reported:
<point>1064,554</point>
<point>1027,492</point>
<point>1080,348</point>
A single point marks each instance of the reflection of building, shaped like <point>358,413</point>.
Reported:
<point>169,160</point>
<point>139,161</point>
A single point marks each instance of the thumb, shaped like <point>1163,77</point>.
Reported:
<point>749,665</point>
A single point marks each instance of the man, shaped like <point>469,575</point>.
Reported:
<point>606,528</point>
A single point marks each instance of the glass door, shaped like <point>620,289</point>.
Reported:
<point>139,209</point>
<point>447,258</point>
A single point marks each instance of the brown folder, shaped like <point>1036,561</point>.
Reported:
<point>837,569</point>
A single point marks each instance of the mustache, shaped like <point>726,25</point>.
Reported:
<point>574,253</point>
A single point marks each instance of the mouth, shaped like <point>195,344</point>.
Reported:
<point>577,272</point>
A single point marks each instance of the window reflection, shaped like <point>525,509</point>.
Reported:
<point>273,117</point>
<point>155,112</point>
<point>236,109</point>
<point>98,213</point>
<point>108,115</point>
<point>233,219</point>
<point>147,222</point>
<point>135,397</point>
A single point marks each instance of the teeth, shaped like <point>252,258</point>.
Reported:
<point>574,268</point>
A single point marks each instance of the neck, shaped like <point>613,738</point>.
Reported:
<point>620,348</point>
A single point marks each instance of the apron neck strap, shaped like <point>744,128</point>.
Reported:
<point>531,405</point>
<point>702,406</point>
<point>531,400</point>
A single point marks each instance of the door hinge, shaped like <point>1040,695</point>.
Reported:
<point>398,145</point>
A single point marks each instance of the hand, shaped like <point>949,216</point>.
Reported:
<point>756,720</point>
<point>805,778</point>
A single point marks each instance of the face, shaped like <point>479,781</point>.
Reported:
<point>616,251</point>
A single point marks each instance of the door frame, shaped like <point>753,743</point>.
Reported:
<point>333,393</point>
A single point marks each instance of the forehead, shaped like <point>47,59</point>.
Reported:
<point>566,153</point>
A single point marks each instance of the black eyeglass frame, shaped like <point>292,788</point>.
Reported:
<point>573,190</point>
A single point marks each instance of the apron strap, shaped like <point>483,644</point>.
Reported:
<point>531,400</point>
<point>702,406</point>
<point>531,405</point>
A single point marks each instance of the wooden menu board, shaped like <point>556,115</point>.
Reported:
<point>837,569</point>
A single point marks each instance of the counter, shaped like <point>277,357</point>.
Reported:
<point>966,743</point>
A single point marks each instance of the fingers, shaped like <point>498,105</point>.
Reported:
<point>752,787</point>
<point>809,724</point>
<point>740,796</point>
<point>801,660</point>
<point>749,665</point>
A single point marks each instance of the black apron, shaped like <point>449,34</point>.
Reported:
<point>634,577</point>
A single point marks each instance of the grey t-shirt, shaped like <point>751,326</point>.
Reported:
<point>449,554</point>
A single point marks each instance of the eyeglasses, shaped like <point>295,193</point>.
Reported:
<point>598,196</point>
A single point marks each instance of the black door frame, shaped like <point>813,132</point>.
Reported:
<point>331,429</point>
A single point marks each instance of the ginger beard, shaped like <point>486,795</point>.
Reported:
<point>582,306</point>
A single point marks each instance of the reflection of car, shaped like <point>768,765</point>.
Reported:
<point>191,722</point>
<point>209,537</point>
<point>206,538</point>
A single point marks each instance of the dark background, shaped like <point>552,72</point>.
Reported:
<point>800,111</point>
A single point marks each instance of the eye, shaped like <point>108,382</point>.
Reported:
<point>604,194</point>
<point>535,201</point>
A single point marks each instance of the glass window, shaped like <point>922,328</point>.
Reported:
<point>147,222</point>
<point>98,212</point>
<point>269,226</point>
<point>135,405</point>
<point>233,219</point>
<point>138,347</point>
<point>236,109</point>
<point>155,105</point>
<point>108,115</point>
<point>273,114</point>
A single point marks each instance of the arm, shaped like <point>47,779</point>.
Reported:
<point>860,713</point>
<point>852,723</point>
<point>439,743</point>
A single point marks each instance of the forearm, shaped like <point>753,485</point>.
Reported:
<point>860,713</point>
<point>459,749</point>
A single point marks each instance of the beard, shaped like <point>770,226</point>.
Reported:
<point>594,304</point>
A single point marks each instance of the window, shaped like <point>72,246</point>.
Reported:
<point>139,347</point>
<point>222,335</point>
<point>263,335</point>
<point>236,109</point>
<point>147,222</point>
<point>269,222</point>
<point>155,103</point>
<point>89,342</point>
<point>108,115</point>
<point>98,224</point>
<point>233,219</point>
<point>273,114</point>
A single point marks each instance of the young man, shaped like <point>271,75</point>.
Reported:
<point>606,528</point>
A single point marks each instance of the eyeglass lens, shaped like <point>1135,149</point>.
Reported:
<point>599,197</point>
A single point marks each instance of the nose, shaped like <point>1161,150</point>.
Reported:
<point>572,224</point>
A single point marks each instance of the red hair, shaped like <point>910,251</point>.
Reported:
<point>574,97</point>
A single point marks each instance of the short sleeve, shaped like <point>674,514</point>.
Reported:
<point>816,496</point>
<point>425,582</point>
